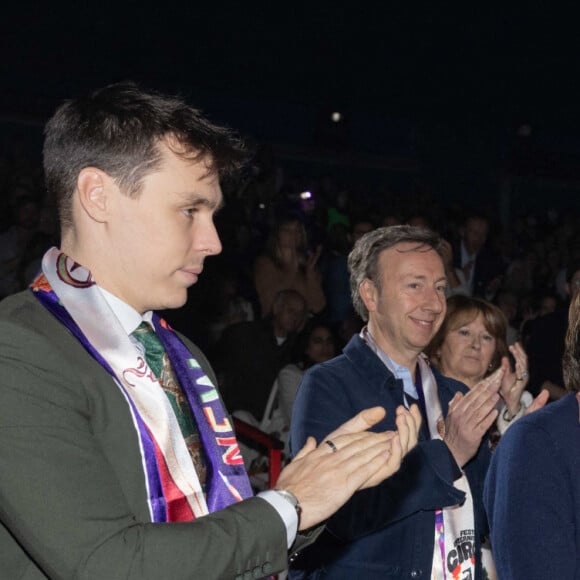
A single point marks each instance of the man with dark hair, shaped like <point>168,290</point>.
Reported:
<point>117,458</point>
<point>427,521</point>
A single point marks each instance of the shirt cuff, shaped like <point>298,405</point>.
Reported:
<point>286,512</point>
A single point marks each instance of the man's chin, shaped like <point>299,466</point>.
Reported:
<point>177,300</point>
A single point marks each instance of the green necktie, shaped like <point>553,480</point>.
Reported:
<point>159,363</point>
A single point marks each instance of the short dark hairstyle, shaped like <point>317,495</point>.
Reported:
<point>118,129</point>
<point>363,260</point>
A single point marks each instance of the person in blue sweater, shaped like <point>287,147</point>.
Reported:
<point>531,493</point>
<point>427,521</point>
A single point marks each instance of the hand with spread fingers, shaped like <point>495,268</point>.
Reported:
<point>324,477</point>
<point>471,415</point>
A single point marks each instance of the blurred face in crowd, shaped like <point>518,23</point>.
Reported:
<point>548,305</point>
<point>320,345</point>
<point>290,234</point>
<point>467,351</point>
<point>289,315</point>
<point>475,234</point>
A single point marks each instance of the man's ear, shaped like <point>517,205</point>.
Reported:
<point>92,186</point>
<point>369,294</point>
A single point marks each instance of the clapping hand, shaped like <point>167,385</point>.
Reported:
<point>514,382</point>
<point>323,477</point>
<point>470,416</point>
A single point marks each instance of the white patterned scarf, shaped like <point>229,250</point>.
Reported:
<point>454,549</point>
<point>68,290</point>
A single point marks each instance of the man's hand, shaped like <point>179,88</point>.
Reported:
<point>470,416</point>
<point>323,479</point>
<point>408,425</point>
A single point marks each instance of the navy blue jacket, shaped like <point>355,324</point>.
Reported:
<point>386,531</point>
<point>532,496</point>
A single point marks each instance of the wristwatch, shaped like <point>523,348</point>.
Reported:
<point>292,499</point>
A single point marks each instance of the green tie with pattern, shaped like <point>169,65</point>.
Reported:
<point>159,363</point>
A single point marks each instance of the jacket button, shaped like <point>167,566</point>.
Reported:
<point>416,573</point>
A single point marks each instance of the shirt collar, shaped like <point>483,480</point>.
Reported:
<point>129,318</point>
<point>399,371</point>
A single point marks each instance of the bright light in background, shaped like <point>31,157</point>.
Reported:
<point>336,117</point>
<point>305,195</point>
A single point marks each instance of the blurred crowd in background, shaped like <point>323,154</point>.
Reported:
<point>286,231</point>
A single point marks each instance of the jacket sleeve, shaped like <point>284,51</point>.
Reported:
<point>61,497</point>
<point>424,481</point>
<point>530,507</point>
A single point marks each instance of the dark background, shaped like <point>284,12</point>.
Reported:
<point>473,102</point>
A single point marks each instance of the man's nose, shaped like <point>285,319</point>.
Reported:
<point>208,241</point>
<point>435,301</point>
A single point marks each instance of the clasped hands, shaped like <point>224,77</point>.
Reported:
<point>324,479</point>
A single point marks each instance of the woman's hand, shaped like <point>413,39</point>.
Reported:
<point>514,383</point>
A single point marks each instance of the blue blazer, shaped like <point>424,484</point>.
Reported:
<point>386,531</point>
<point>532,495</point>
